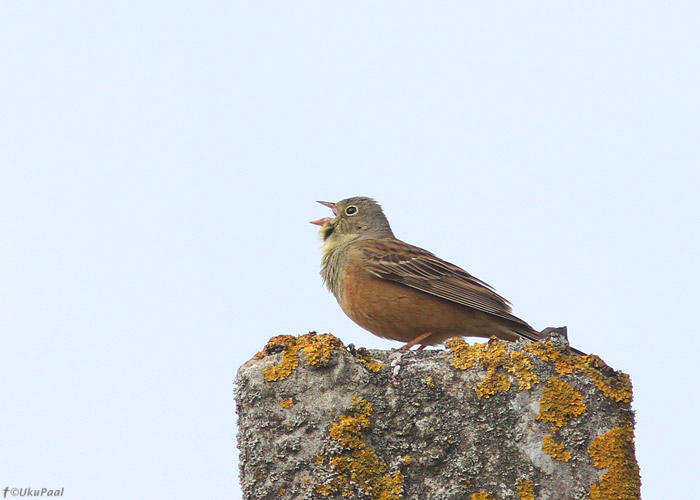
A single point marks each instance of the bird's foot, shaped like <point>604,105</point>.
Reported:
<point>417,340</point>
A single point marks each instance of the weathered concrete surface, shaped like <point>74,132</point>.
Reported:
<point>484,421</point>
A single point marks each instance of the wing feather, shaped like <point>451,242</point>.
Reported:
<point>412,266</point>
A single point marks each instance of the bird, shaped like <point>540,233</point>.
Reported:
<point>402,292</point>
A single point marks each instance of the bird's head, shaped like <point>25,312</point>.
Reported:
<point>357,217</point>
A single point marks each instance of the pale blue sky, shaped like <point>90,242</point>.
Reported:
<point>159,165</point>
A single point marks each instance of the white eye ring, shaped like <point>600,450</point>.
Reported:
<point>351,210</point>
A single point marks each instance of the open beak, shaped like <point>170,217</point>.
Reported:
<point>329,205</point>
<point>322,221</point>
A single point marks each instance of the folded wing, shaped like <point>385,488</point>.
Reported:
<point>412,266</point>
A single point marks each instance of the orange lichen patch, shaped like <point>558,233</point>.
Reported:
<point>494,357</point>
<point>364,357</point>
<point>526,489</point>
<point>614,385</point>
<point>323,490</point>
<point>482,496</point>
<point>286,403</point>
<point>554,449</point>
<point>317,351</point>
<point>283,491</point>
<point>567,362</point>
<point>560,403</point>
<point>348,429</point>
<point>429,382</point>
<point>564,361</point>
<point>614,450</point>
<point>466,483</point>
<point>521,367</point>
<point>406,460</point>
<point>289,360</point>
<point>359,464</point>
<point>493,382</point>
<point>464,355</point>
<point>364,468</point>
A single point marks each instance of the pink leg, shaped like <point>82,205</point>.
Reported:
<point>417,340</point>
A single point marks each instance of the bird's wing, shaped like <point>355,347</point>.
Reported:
<point>412,266</point>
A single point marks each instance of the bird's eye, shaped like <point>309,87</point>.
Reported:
<point>351,210</point>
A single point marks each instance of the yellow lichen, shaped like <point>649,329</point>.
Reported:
<point>526,489</point>
<point>283,491</point>
<point>348,429</point>
<point>466,483</point>
<point>323,490</point>
<point>364,468</point>
<point>286,403</point>
<point>564,361</point>
<point>389,487</point>
<point>464,356</point>
<point>406,460</point>
<point>359,464</point>
<point>492,382</point>
<point>569,363</point>
<point>429,382</point>
<point>289,360</point>
<point>317,351</point>
<point>493,357</point>
<point>364,357</point>
<point>521,367</point>
<point>481,496</point>
<point>560,403</point>
<point>613,385</point>
<point>554,449</point>
<point>614,450</point>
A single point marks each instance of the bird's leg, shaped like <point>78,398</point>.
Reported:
<point>417,340</point>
